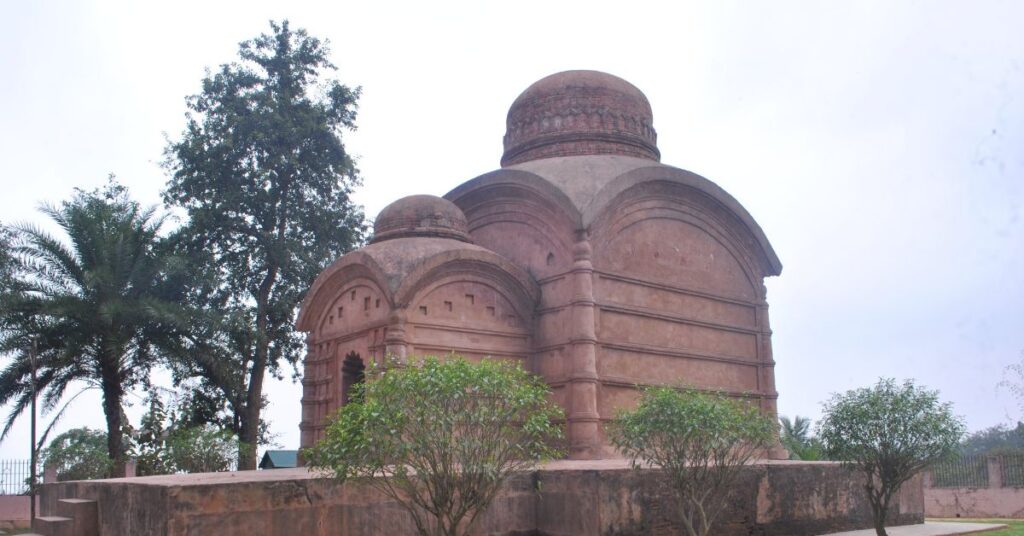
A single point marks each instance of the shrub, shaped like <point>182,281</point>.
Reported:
<point>201,449</point>
<point>889,433</point>
<point>440,438</point>
<point>701,441</point>
<point>79,454</point>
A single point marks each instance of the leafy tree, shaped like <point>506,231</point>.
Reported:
<point>96,305</point>
<point>265,179</point>
<point>701,442</point>
<point>999,439</point>
<point>440,438</point>
<point>1013,381</point>
<point>79,454</point>
<point>201,449</point>
<point>889,433</point>
<point>169,442</point>
<point>150,438</point>
<point>7,263</point>
<point>796,437</point>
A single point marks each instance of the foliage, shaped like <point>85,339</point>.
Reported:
<point>701,441</point>
<point>149,440</point>
<point>168,442</point>
<point>796,437</point>
<point>999,439</point>
<point>1013,381</point>
<point>441,437</point>
<point>202,449</point>
<point>96,305</point>
<point>78,454</point>
<point>7,263</point>
<point>889,432</point>
<point>265,179</point>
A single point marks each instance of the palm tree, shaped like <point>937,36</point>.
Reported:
<point>796,437</point>
<point>96,306</point>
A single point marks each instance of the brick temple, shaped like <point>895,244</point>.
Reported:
<point>583,257</point>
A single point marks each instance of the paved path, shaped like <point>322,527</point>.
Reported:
<point>928,529</point>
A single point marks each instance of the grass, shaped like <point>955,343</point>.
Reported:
<point>1016,526</point>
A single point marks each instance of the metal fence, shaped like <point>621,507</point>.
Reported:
<point>963,472</point>
<point>1013,470</point>
<point>14,477</point>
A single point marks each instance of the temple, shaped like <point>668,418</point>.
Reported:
<point>583,258</point>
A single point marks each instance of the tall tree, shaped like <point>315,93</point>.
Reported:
<point>95,306</point>
<point>265,179</point>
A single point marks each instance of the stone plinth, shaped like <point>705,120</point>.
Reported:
<point>564,498</point>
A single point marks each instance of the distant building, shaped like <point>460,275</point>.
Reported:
<point>279,459</point>
<point>583,257</point>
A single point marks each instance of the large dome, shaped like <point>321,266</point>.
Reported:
<point>579,113</point>
<point>420,215</point>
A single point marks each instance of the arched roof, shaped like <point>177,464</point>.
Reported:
<point>587,185</point>
<point>400,266</point>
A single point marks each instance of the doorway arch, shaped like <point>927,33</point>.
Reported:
<point>353,371</point>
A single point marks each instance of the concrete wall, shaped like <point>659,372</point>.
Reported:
<point>14,511</point>
<point>563,498</point>
<point>993,501</point>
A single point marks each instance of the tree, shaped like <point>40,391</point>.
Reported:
<point>1013,381</point>
<point>7,264</point>
<point>170,442</point>
<point>796,437</point>
<point>999,439</point>
<point>265,179</point>
<point>79,454</point>
<point>201,449</point>
<point>889,433</point>
<point>95,307</point>
<point>149,440</point>
<point>440,438</point>
<point>701,441</point>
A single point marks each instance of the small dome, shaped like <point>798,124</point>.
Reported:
<point>579,113</point>
<point>420,215</point>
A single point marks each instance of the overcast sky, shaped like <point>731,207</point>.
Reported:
<point>880,145</point>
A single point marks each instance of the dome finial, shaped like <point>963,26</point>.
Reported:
<point>420,215</point>
<point>579,113</point>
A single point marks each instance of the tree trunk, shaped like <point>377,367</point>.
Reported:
<point>254,396</point>
<point>879,510</point>
<point>112,394</point>
<point>880,527</point>
<point>250,416</point>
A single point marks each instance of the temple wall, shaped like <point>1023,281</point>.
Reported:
<point>680,300</point>
<point>354,323</point>
<point>564,498</point>
<point>469,317</point>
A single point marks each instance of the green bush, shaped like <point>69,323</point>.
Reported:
<point>201,449</point>
<point>889,433</point>
<point>440,438</point>
<point>701,441</point>
<point>79,454</point>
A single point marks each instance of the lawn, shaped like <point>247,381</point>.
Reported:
<point>1016,526</point>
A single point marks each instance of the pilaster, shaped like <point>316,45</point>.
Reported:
<point>583,419</point>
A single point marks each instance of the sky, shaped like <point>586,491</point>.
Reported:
<point>879,145</point>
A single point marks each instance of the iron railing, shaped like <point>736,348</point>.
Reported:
<point>14,477</point>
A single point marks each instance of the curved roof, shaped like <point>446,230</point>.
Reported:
<point>400,265</point>
<point>592,182</point>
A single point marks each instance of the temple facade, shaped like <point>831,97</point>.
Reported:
<point>583,258</point>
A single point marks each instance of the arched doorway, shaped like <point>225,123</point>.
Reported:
<point>352,372</point>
